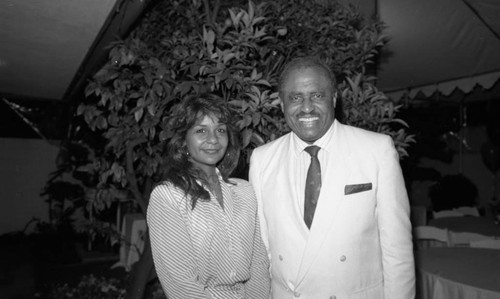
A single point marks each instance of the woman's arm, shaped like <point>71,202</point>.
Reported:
<point>171,246</point>
<point>258,286</point>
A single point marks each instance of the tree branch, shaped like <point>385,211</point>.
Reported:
<point>130,172</point>
<point>215,11</point>
<point>207,11</point>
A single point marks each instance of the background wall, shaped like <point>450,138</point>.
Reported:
<point>25,165</point>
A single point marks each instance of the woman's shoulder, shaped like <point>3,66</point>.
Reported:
<point>237,182</point>
<point>242,187</point>
<point>167,192</point>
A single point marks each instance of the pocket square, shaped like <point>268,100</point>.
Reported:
<point>356,188</point>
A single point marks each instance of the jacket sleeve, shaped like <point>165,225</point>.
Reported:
<point>254,177</point>
<point>394,226</point>
<point>171,246</point>
<point>258,286</point>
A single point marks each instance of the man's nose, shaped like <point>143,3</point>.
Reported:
<point>307,105</point>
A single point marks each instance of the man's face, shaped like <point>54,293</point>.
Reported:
<point>308,102</point>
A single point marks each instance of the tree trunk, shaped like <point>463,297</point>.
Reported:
<point>142,272</point>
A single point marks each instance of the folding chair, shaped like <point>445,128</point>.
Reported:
<point>468,211</point>
<point>446,213</point>
<point>430,236</point>
<point>464,239</point>
<point>489,243</point>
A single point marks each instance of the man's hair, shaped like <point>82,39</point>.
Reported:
<point>180,171</point>
<point>306,62</point>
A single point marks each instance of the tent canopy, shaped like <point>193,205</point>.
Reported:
<point>439,45</point>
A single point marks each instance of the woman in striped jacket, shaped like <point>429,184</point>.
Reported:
<point>204,230</point>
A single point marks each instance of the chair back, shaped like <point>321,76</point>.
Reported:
<point>464,239</point>
<point>489,243</point>
<point>430,236</point>
<point>468,211</point>
<point>446,213</point>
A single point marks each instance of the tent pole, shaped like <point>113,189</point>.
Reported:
<point>480,17</point>
<point>463,125</point>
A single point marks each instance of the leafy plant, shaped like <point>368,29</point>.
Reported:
<point>370,109</point>
<point>89,287</point>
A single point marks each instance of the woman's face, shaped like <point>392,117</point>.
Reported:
<point>207,142</point>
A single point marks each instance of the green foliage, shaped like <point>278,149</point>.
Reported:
<point>98,287</point>
<point>89,287</point>
<point>370,109</point>
<point>236,53</point>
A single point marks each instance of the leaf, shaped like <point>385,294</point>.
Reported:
<point>282,31</point>
<point>158,88</point>
<point>152,109</point>
<point>256,118</point>
<point>81,109</point>
<point>245,136</point>
<point>227,57</point>
<point>138,114</point>
<point>235,18</point>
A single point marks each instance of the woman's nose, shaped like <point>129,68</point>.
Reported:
<point>212,137</point>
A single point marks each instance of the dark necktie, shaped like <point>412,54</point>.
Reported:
<point>313,185</point>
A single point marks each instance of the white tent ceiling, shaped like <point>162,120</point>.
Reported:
<point>439,45</point>
<point>49,47</point>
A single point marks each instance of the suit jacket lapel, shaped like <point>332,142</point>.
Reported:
<point>330,199</point>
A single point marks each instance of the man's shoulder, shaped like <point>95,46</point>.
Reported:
<point>273,145</point>
<point>271,152</point>
<point>361,133</point>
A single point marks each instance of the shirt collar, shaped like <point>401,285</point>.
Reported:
<point>299,145</point>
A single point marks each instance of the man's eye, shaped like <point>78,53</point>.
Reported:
<point>296,98</point>
<point>316,96</point>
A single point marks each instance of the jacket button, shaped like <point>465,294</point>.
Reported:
<point>333,297</point>
<point>280,257</point>
<point>296,294</point>
<point>343,258</point>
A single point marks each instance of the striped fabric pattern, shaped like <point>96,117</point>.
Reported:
<point>208,252</point>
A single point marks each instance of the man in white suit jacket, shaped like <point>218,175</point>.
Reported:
<point>359,244</point>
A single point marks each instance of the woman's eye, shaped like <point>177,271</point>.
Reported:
<point>222,130</point>
<point>200,131</point>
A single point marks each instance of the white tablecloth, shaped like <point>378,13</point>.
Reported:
<point>458,273</point>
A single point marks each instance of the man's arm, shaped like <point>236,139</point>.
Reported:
<point>395,227</point>
<point>259,285</point>
<point>254,176</point>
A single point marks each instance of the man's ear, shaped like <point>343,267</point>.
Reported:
<point>334,100</point>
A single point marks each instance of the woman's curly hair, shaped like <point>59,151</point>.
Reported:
<point>180,171</point>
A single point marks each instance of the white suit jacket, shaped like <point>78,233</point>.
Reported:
<point>360,242</point>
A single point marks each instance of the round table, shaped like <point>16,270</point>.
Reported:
<point>458,272</point>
